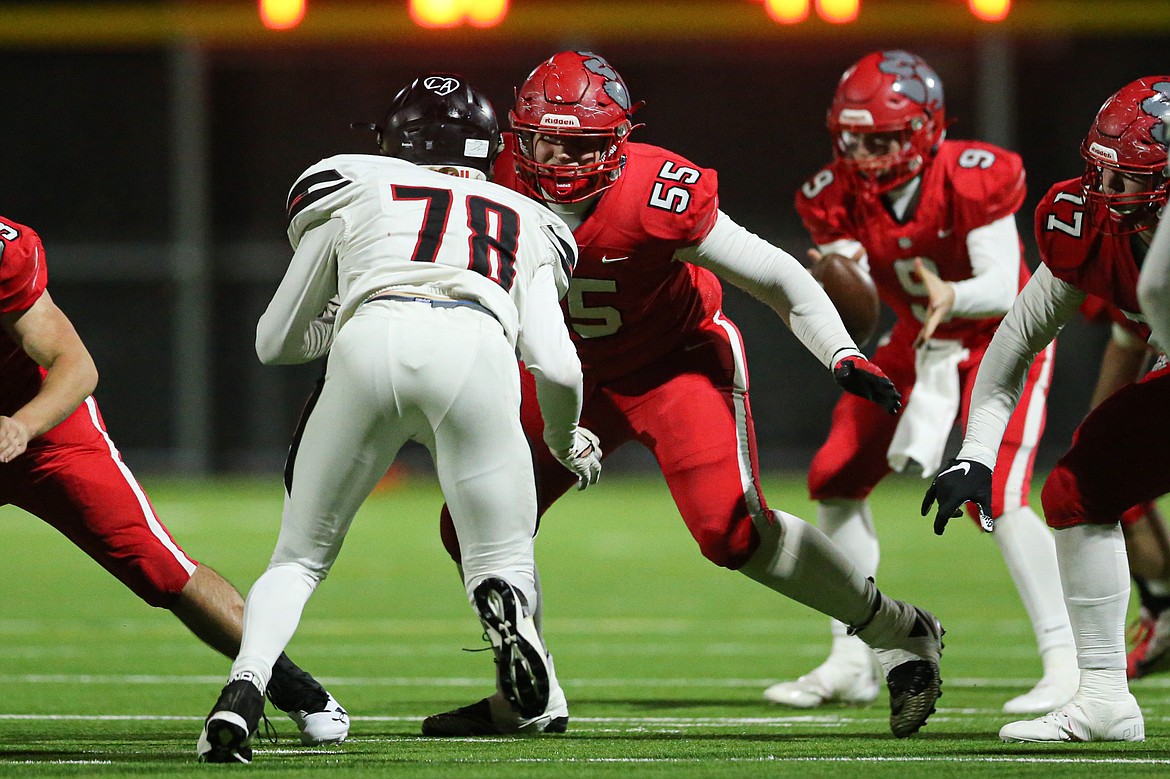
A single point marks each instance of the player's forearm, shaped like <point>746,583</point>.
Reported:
<point>549,355</point>
<point>297,326</point>
<point>994,250</point>
<point>1038,314</point>
<point>69,379</point>
<point>777,279</point>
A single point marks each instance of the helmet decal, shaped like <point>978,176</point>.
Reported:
<point>913,78</point>
<point>1158,105</point>
<point>441,85</point>
<point>614,86</point>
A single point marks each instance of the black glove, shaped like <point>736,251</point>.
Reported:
<point>958,482</point>
<point>864,379</point>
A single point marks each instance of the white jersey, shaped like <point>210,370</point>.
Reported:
<point>410,229</point>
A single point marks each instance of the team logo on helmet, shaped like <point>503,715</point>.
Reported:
<point>913,78</point>
<point>1158,105</point>
<point>441,85</point>
<point>614,87</point>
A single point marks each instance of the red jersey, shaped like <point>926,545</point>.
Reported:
<point>968,185</point>
<point>1077,249</point>
<point>630,302</point>
<point>23,277</point>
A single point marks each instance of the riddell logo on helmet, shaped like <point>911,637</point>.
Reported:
<point>855,116</point>
<point>1104,152</point>
<point>559,120</point>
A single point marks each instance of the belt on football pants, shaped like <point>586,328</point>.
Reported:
<point>436,303</point>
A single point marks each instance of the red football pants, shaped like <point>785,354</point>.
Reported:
<point>74,479</point>
<point>1118,457</point>
<point>690,409</point>
<point>853,459</point>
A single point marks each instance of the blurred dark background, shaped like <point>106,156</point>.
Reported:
<point>155,166</point>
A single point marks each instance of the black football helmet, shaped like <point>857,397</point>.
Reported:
<point>440,119</point>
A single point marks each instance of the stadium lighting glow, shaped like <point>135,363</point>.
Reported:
<point>990,10</point>
<point>840,11</point>
<point>281,14</point>
<point>451,13</point>
<point>787,11</point>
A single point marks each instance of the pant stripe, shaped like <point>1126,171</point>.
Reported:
<point>747,476</point>
<point>152,522</point>
<point>1033,423</point>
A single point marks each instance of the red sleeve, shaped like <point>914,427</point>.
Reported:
<point>23,274</point>
<point>1061,228</point>
<point>820,202</point>
<point>988,183</point>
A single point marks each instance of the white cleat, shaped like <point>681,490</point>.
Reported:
<point>1049,694</point>
<point>327,725</point>
<point>1082,721</point>
<point>833,681</point>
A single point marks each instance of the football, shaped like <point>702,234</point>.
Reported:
<point>853,292</point>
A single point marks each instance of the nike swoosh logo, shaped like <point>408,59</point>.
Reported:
<point>964,467</point>
<point>613,259</point>
<point>944,233</point>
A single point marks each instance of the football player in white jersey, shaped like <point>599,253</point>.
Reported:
<point>421,287</point>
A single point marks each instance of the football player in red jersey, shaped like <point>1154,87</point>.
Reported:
<point>933,220</point>
<point>58,463</point>
<point>1126,359</point>
<point>665,367</point>
<point>1094,234</point>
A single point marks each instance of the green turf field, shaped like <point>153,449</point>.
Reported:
<point>663,656</point>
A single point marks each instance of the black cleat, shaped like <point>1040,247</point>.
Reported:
<point>232,724</point>
<point>521,663</point>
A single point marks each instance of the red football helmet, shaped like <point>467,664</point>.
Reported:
<point>579,95</point>
<point>1126,148</point>
<point>892,92</point>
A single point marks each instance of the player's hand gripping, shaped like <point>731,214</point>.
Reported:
<point>958,482</point>
<point>864,379</point>
<point>584,458</point>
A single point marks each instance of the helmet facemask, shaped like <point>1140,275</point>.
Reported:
<point>571,183</point>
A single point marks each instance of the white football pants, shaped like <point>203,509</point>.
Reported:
<point>398,371</point>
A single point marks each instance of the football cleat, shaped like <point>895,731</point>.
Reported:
<point>494,716</point>
<point>1151,646</point>
<point>316,713</point>
<point>833,681</point>
<point>328,724</point>
<point>232,724</point>
<point>908,644</point>
<point>522,671</point>
<point>1082,720</point>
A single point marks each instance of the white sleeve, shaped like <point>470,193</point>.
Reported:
<point>776,278</point>
<point>994,250</point>
<point>1154,285</point>
<point>1041,310</point>
<point>297,326</point>
<point>549,355</point>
